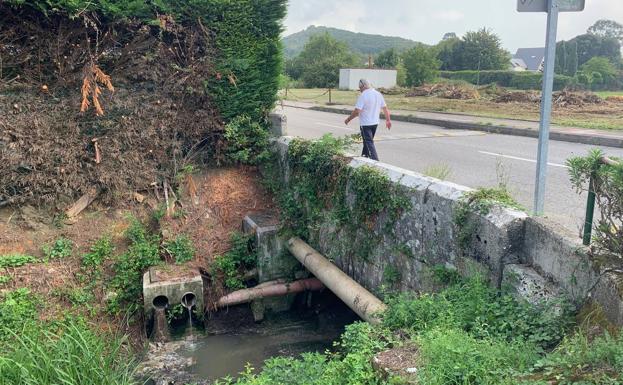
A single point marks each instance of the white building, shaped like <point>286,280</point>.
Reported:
<point>380,78</point>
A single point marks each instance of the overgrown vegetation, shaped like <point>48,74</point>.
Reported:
<point>16,260</point>
<point>467,334</point>
<point>66,353</point>
<point>231,266</point>
<point>322,189</point>
<point>607,183</point>
<point>61,248</point>
<point>143,252</point>
<point>180,249</point>
<point>247,141</point>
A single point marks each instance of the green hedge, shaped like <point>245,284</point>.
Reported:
<point>519,80</point>
<point>247,38</point>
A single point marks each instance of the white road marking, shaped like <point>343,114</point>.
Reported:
<point>334,126</point>
<point>523,159</point>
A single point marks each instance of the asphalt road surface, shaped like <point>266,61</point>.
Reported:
<point>474,158</point>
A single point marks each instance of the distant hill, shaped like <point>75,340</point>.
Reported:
<point>362,43</point>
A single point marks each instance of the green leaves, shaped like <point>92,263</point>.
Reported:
<point>61,248</point>
<point>230,266</point>
<point>16,260</point>
<point>247,141</point>
<point>181,249</point>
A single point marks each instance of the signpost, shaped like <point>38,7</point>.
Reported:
<point>552,7</point>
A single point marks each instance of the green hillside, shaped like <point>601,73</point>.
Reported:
<point>362,43</point>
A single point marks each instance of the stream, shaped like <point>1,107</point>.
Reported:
<point>231,341</point>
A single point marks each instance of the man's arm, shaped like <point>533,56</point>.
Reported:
<point>352,116</point>
<point>388,121</point>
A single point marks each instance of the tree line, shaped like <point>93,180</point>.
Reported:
<point>592,60</point>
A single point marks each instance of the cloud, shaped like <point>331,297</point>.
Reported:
<point>451,15</point>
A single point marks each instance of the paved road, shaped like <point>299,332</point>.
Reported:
<point>474,158</point>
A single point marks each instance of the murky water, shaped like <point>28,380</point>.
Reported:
<point>232,340</point>
<point>222,355</point>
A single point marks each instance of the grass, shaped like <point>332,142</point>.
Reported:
<point>591,117</point>
<point>605,94</point>
<point>439,171</point>
<point>67,354</point>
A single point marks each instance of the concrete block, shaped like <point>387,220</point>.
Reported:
<point>560,256</point>
<point>170,291</point>
<point>608,293</point>
<point>273,260</point>
<point>525,283</point>
<point>278,124</point>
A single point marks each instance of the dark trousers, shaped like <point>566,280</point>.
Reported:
<point>367,133</point>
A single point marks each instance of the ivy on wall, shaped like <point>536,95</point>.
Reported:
<point>363,202</point>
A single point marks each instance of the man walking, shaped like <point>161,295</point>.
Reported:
<point>368,108</point>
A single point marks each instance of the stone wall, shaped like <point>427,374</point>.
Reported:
<point>531,257</point>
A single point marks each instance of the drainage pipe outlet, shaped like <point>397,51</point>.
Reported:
<point>360,300</point>
<point>189,300</point>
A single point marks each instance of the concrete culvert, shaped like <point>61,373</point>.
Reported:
<point>189,300</point>
<point>161,302</point>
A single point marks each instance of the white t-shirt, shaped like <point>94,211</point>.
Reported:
<point>370,103</point>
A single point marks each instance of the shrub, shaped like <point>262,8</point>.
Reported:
<point>520,80</point>
<point>230,266</point>
<point>143,252</point>
<point>101,250</point>
<point>247,141</point>
<point>61,248</point>
<point>18,310</point>
<point>16,260</point>
<point>181,249</point>
<point>477,309</point>
<point>608,187</point>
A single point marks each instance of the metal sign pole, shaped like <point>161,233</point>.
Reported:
<point>546,106</point>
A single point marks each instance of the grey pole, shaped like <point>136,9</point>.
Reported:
<point>546,106</point>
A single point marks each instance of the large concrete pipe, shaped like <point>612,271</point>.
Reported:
<point>271,290</point>
<point>366,305</point>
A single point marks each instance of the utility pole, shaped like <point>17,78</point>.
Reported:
<point>546,107</point>
<point>552,7</point>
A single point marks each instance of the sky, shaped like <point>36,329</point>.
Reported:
<point>428,20</point>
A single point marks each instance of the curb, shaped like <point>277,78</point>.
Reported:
<point>492,129</point>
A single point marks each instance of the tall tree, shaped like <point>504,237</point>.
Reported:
<point>445,53</point>
<point>387,59</point>
<point>572,60</point>
<point>602,66</point>
<point>480,50</point>
<point>608,29</point>
<point>320,61</point>
<point>421,65</point>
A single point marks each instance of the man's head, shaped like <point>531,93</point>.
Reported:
<point>364,84</point>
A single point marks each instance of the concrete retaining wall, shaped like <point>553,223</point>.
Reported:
<point>535,259</point>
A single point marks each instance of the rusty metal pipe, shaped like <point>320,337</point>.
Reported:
<point>360,300</point>
<point>276,290</point>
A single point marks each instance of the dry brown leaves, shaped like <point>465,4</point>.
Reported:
<point>93,76</point>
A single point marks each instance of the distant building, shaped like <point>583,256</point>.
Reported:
<point>518,65</point>
<point>380,78</point>
<point>531,59</point>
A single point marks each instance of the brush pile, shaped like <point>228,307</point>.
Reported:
<point>86,104</point>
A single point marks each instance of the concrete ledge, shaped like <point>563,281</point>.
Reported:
<point>560,256</point>
<point>174,289</point>
<point>494,129</point>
